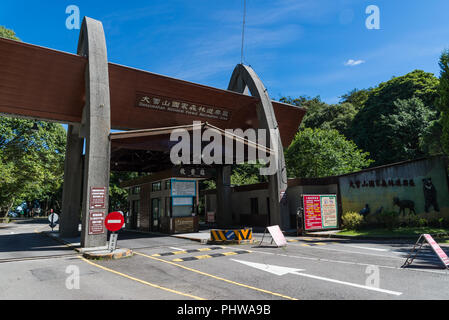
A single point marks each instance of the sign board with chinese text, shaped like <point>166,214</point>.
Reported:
<point>160,103</point>
<point>182,201</point>
<point>192,172</point>
<point>97,198</point>
<point>320,212</point>
<point>211,216</point>
<point>113,242</point>
<point>96,222</point>
<point>183,188</point>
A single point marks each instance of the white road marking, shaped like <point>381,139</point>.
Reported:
<point>179,249</point>
<point>347,251</point>
<point>347,262</point>
<point>280,271</point>
<point>368,248</point>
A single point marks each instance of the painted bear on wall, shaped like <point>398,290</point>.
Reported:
<point>430,195</point>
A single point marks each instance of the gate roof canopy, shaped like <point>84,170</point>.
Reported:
<point>42,83</point>
<point>149,150</point>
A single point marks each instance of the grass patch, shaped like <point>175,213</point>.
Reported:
<point>396,232</point>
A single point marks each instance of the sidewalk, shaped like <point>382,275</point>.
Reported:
<point>90,253</point>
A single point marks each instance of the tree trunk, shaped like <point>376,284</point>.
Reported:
<point>9,207</point>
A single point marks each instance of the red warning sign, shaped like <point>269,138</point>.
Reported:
<point>114,221</point>
<point>437,249</point>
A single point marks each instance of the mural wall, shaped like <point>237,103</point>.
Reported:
<point>419,187</point>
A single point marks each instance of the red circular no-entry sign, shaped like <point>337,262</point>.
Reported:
<point>114,221</point>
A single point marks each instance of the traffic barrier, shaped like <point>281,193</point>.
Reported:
<point>231,236</point>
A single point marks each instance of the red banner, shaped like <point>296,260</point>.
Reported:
<point>312,213</point>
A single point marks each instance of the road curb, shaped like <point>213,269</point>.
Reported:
<point>58,239</point>
<point>103,255</point>
<point>334,236</point>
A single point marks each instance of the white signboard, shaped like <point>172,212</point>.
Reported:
<point>182,201</point>
<point>113,241</point>
<point>183,188</point>
<point>277,235</point>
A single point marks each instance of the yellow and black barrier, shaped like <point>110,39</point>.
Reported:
<point>231,236</point>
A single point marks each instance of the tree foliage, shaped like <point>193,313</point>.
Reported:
<point>323,152</point>
<point>31,161</point>
<point>118,197</point>
<point>322,115</point>
<point>443,101</point>
<point>372,128</point>
<point>356,97</point>
<point>8,34</point>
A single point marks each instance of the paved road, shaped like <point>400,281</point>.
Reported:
<point>165,267</point>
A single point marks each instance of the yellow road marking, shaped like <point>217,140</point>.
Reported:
<point>203,257</point>
<point>179,252</point>
<point>229,253</point>
<point>305,245</point>
<point>142,281</point>
<point>204,249</point>
<point>217,278</point>
<point>156,255</point>
<point>320,243</point>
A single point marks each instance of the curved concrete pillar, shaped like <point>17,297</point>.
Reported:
<point>71,193</point>
<point>96,126</point>
<point>242,78</point>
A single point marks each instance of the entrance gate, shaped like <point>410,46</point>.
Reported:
<point>94,96</point>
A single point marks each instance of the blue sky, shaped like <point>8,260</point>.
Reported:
<point>297,47</point>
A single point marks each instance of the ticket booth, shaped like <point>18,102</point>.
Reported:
<point>164,202</point>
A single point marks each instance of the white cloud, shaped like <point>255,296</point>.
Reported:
<point>353,63</point>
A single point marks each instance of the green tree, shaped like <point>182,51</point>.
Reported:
<point>118,197</point>
<point>318,153</point>
<point>8,34</point>
<point>370,129</point>
<point>356,97</point>
<point>338,117</point>
<point>322,115</point>
<point>32,161</point>
<point>406,126</point>
<point>443,101</point>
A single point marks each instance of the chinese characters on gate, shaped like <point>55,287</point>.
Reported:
<point>382,183</point>
<point>182,107</point>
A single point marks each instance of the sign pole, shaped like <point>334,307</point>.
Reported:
<point>114,222</point>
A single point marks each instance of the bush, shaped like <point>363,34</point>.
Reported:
<point>389,219</point>
<point>352,220</point>
<point>423,223</point>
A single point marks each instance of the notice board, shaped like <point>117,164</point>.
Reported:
<point>183,188</point>
<point>320,212</point>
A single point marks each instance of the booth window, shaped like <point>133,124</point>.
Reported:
<point>156,186</point>
<point>135,190</point>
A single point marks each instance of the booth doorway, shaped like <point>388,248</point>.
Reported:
<point>155,214</point>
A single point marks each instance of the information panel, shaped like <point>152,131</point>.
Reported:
<point>320,212</point>
<point>96,222</point>
<point>183,188</point>
<point>97,198</point>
